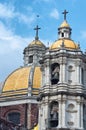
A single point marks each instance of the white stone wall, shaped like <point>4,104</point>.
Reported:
<point>70,81</point>
<point>71,114</point>
<point>71,70</point>
<point>43,116</point>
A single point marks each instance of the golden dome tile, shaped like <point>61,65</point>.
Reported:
<point>64,24</point>
<point>17,82</point>
<point>37,78</point>
<point>36,42</point>
<point>67,44</point>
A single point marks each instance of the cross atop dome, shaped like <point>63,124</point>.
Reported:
<point>65,13</point>
<point>36,28</point>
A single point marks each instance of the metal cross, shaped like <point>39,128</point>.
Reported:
<point>37,28</point>
<point>65,13</point>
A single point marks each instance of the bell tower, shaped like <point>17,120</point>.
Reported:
<point>62,96</point>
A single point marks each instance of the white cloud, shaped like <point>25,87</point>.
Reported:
<point>4,31</point>
<point>9,12</point>
<point>55,14</point>
<point>9,41</point>
<point>26,19</point>
<point>11,49</point>
<point>6,11</point>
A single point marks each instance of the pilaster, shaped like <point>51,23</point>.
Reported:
<point>63,73</point>
<point>78,115</point>
<point>60,113</point>
<point>81,115</point>
<point>47,71</point>
<point>78,72</point>
<point>29,116</point>
<point>63,113</point>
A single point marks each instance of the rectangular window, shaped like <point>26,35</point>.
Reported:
<point>31,59</point>
<point>62,34</point>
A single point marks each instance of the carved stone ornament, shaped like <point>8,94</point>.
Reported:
<point>78,63</point>
<point>70,123</point>
<point>63,60</point>
<point>71,111</point>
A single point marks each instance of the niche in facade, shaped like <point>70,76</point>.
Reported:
<point>55,68</point>
<point>53,120</point>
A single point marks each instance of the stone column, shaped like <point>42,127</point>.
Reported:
<point>80,75</point>
<point>78,72</point>
<point>45,119</point>
<point>60,112</point>
<point>43,116</point>
<point>61,74</point>
<point>29,116</point>
<point>81,115</point>
<point>78,115</point>
<point>40,115</point>
<point>47,72</point>
<point>63,115</point>
<point>46,114</point>
<point>43,75</point>
<point>62,70</point>
<point>64,73</point>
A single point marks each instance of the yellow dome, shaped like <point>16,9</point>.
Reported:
<point>67,44</point>
<point>36,42</point>
<point>64,24</point>
<point>18,81</point>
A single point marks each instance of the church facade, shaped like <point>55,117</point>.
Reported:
<point>49,91</point>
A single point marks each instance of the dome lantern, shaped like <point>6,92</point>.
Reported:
<point>64,34</point>
<point>34,50</point>
<point>64,31</point>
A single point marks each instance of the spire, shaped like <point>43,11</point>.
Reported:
<point>65,13</point>
<point>36,28</point>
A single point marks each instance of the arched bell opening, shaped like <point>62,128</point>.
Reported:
<point>55,69</point>
<point>54,108</point>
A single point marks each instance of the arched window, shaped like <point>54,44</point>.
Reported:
<point>14,117</point>
<point>53,120</point>
<point>55,68</point>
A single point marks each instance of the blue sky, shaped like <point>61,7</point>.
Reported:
<point>19,17</point>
